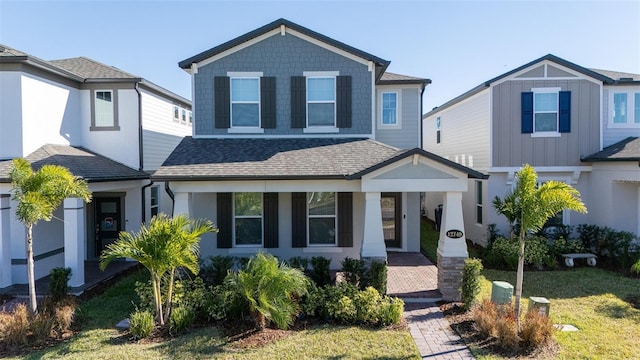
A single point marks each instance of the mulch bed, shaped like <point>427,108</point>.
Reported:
<point>462,323</point>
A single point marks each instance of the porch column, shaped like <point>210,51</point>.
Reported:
<point>181,203</point>
<point>452,247</point>
<point>373,241</point>
<point>5,242</point>
<point>74,240</point>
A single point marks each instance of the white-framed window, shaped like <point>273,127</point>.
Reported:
<point>438,138</point>
<point>104,109</point>
<point>245,102</point>
<point>625,109</point>
<point>176,113</point>
<point>184,115</point>
<point>322,209</point>
<point>155,200</point>
<point>190,117</point>
<point>545,110</point>
<point>321,101</point>
<point>247,219</point>
<point>389,115</point>
<point>479,204</point>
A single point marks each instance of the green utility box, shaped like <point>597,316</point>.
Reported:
<point>501,292</point>
<point>539,304</point>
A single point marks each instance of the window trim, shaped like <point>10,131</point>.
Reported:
<point>321,75</point>
<point>546,90</point>
<point>157,198</point>
<point>252,76</point>
<point>398,123</point>
<point>334,216</point>
<point>632,121</point>
<point>479,202</point>
<point>233,222</point>
<point>183,118</point>
<point>114,109</point>
<point>438,130</point>
<point>176,113</point>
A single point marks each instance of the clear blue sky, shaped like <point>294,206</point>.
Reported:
<point>456,44</point>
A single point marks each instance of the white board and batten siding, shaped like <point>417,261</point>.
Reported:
<point>161,131</point>
<point>464,132</point>
<point>407,134</point>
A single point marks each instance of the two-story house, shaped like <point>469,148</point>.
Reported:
<point>107,126</point>
<point>306,146</point>
<point>571,123</point>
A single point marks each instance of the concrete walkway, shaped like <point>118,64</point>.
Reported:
<point>412,277</point>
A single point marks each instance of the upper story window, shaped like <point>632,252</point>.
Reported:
<point>190,117</point>
<point>389,109</point>
<point>104,115</point>
<point>625,109</point>
<point>245,102</point>
<point>438,130</point>
<point>546,112</point>
<point>184,115</point>
<point>176,113</point>
<point>247,211</point>
<point>322,210</point>
<point>321,101</point>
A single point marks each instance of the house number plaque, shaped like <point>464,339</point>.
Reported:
<point>454,234</point>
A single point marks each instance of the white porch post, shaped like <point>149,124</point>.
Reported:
<point>5,242</point>
<point>373,239</point>
<point>74,240</point>
<point>452,250</point>
<point>181,203</point>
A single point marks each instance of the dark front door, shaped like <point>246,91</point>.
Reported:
<point>108,222</point>
<point>391,205</point>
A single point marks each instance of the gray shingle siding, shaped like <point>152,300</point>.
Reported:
<point>283,57</point>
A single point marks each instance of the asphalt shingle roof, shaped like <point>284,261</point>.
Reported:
<point>617,75</point>
<point>392,78</point>
<point>91,69</point>
<point>83,163</point>
<point>625,150</point>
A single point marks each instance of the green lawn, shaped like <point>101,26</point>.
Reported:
<point>99,339</point>
<point>429,240</point>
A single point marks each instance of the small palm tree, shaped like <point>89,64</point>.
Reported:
<point>162,247</point>
<point>270,289</point>
<point>38,194</point>
<point>531,206</point>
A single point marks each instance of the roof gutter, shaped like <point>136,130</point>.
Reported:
<point>144,200</point>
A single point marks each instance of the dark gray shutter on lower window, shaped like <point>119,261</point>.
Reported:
<point>299,220</point>
<point>564,111</point>
<point>343,101</point>
<point>298,102</point>
<point>527,112</point>
<point>268,102</point>
<point>270,224</point>
<point>345,219</point>
<point>225,220</point>
<point>222,100</point>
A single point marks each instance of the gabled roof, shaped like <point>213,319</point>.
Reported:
<point>550,57</point>
<point>380,63</point>
<point>618,76</point>
<point>81,162</point>
<point>625,150</point>
<point>91,69</point>
<point>282,159</point>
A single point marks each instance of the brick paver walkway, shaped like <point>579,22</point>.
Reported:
<point>412,277</point>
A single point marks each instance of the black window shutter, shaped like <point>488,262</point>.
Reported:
<point>299,220</point>
<point>527,112</point>
<point>225,220</point>
<point>343,101</point>
<point>298,102</point>
<point>268,102</point>
<point>345,219</point>
<point>564,112</point>
<point>270,225</point>
<point>222,99</point>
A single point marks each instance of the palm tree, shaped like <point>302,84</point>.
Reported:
<point>162,247</point>
<point>531,206</point>
<point>38,194</point>
<point>270,289</point>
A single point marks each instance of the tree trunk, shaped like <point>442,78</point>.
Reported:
<point>33,303</point>
<point>519,277</point>
<point>167,310</point>
<point>157,294</point>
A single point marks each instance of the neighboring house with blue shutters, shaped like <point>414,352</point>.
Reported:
<point>571,123</point>
<point>306,146</point>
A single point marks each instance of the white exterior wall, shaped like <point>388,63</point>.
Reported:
<point>10,114</point>
<point>161,132</point>
<point>465,132</point>
<point>615,133</point>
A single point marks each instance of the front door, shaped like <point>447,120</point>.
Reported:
<point>108,224</point>
<point>391,204</point>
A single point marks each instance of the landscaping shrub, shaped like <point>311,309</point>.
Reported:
<point>58,283</point>
<point>391,311</point>
<point>181,319</point>
<point>507,331</point>
<point>635,269</point>
<point>343,310</point>
<point>615,249</point>
<point>63,315</point>
<point>503,254</point>
<point>367,304</point>
<point>353,270</point>
<point>224,302</point>
<point>319,272</point>
<point>300,262</point>
<point>312,303</point>
<point>536,251</point>
<point>346,304</point>
<point>14,327</point>
<point>376,276</point>
<point>537,329</point>
<point>214,269</point>
<point>485,315</point>
<point>41,327</point>
<point>141,324</point>
<point>470,286</point>
<point>330,295</point>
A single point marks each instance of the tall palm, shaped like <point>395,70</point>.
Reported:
<point>162,247</point>
<point>38,194</point>
<point>531,206</point>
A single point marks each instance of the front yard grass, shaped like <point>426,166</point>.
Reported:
<point>98,338</point>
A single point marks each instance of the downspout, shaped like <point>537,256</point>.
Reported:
<point>167,189</point>
<point>144,198</point>
<point>140,156</point>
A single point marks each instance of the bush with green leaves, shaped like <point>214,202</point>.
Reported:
<point>59,283</point>
<point>214,269</point>
<point>635,269</point>
<point>353,270</point>
<point>319,272</point>
<point>300,262</point>
<point>186,292</point>
<point>363,274</point>
<point>346,304</point>
<point>615,249</point>
<point>181,319</point>
<point>225,302</point>
<point>470,285</point>
<point>377,276</point>
<point>503,254</point>
<point>141,324</point>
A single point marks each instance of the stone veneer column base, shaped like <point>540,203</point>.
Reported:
<point>450,276</point>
